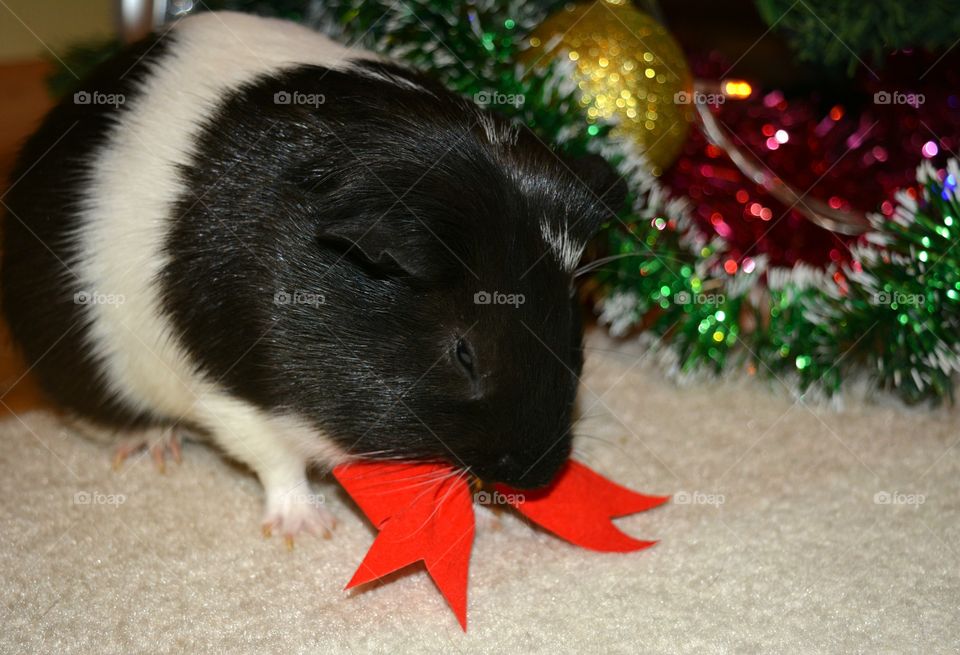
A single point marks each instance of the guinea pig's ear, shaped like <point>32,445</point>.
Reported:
<point>606,191</point>
<point>381,245</point>
<point>384,242</point>
<point>608,187</point>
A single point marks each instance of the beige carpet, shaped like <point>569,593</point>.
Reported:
<point>781,547</point>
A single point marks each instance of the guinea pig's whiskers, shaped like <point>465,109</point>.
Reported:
<point>584,457</point>
<point>426,477</point>
<point>436,480</point>
<point>601,440</point>
<point>591,266</point>
<point>381,455</point>
<point>416,481</point>
<point>592,416</point>
<point>608,351</point>
<point>615,446</point>
<point>457,475</point>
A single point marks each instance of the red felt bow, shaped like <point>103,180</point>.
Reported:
<point>425,512</point>
<point>578,506</point>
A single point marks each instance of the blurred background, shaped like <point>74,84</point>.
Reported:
<point>33,28</point>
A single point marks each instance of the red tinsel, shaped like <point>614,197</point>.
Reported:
<point>851,153</point>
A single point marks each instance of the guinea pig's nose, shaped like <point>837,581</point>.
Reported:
<point>515,472</point>
<point>503,468</point>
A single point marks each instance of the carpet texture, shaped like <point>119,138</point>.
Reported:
<point>794,528</point>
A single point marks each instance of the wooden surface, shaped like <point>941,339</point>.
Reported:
<point>23,103</point>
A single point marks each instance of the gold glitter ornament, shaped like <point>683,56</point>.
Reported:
<point>629,69</point>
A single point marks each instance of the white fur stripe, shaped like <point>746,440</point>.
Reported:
<point>564,248</point>
<point>126,214</point>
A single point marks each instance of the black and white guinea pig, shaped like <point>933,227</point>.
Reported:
<point>307,253</point>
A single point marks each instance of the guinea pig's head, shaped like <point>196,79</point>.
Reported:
<point>452,330</point>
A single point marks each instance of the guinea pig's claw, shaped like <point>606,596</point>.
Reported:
<point>288,539</point>
<point>174,447</point>
<point>158,444</point>
<point>157,452</point>
<point>120,455</point>
<point>290,516</point>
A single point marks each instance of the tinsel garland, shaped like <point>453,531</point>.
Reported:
<point>894,313</point>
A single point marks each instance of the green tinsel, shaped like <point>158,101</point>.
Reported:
<point>900,318</point>
<point>653,270</point>
<point>895,315</point>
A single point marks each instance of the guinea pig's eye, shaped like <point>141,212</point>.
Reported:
<point>464,355</point>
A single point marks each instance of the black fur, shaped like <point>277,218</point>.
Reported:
<point>391,204</point>
<point>39,289</point>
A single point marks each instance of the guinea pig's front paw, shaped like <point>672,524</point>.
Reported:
<point>290,512</point>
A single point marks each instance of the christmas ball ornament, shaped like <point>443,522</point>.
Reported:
<point>629,69</point>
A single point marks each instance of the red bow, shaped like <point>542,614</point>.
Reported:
<point>425,512</point>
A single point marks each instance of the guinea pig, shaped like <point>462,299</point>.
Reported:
<point>306,252</point>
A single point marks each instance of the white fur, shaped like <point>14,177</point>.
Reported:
<point>126,218</point>
<point>504,134</point>
<point>564,248</point>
